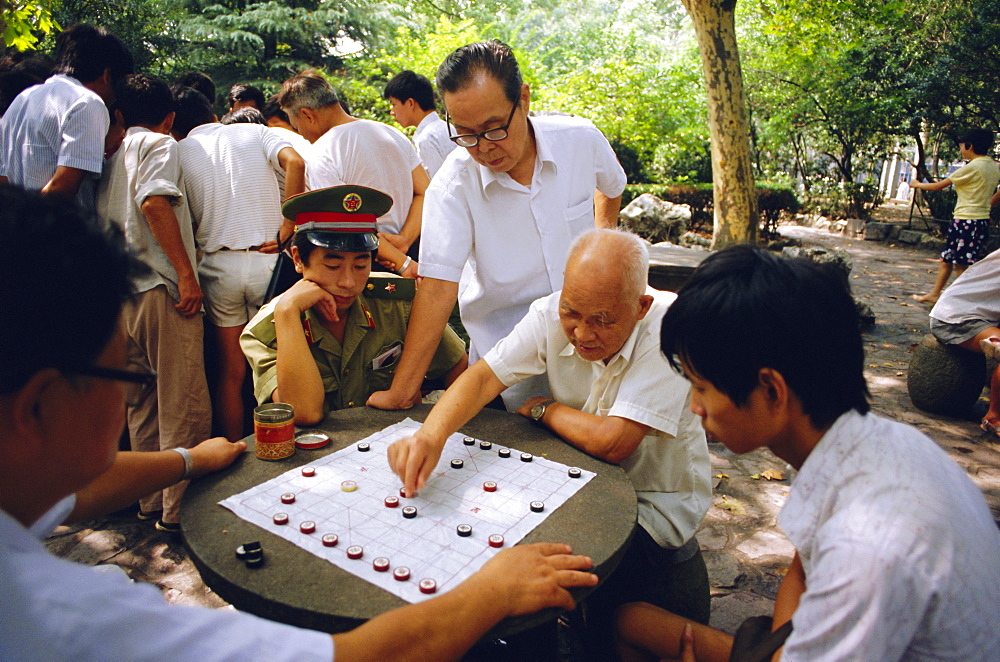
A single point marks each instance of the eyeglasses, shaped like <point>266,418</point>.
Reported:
<point>472,139</point>
<point>139,379</point>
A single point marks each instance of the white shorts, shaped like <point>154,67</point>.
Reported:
<point>234,283</point>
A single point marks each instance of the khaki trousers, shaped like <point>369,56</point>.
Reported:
<point>177,413</point>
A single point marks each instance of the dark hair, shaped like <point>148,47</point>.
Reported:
<point>84,51</point>
<point>192,109</point>
<point>273,109</point>
<point>980,139</point>
<point>87,279</point>
<point>244,115</point>
<point>199,81</point>
<point>411,85</point>
<point>143,100</point>
<point>745,309</point>
<point>490,57</point>
<point>245,92</point>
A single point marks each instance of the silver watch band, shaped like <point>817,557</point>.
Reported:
<point>188,462</point>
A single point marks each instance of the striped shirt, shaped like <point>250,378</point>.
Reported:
<point>57,123</point>
<point>230,174</point>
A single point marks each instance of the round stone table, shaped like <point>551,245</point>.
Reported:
<point>299,588</point>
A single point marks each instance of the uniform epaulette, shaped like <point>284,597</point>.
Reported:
<point>389,286</point>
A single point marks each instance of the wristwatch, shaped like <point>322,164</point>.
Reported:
<point>539,410</point>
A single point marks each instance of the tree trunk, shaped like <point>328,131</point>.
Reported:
<point>736,218</point>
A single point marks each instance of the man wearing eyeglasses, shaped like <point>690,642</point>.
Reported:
<point>61,407</point>
<point>500,218</point>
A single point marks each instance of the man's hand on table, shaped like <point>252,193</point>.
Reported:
<point>392,400</point>
<point>413,459</point>
<point>214,454</point>
<point>532,577</point>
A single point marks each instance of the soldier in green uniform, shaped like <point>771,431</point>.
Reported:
<point>334,338</point>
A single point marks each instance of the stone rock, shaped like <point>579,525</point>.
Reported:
<point>932,242</point>
<point>866,314</point>
<point>729,611</point>
<point>655,219</point>
<point>837,258</point>
<point>692,240</point>
<point>910,236</point>
<point>855,226</point>
<point>822,225</point>
<point>943,379</point>
<point>838,227</point>
<point>877,231</point>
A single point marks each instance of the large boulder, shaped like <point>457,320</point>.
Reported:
<point>944,379</point>
<point>836,258</point>
<point>655,219</point>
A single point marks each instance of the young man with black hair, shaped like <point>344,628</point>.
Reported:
<point>243,95</point>
<point>230,175</point>
<point>52,136</point>
<point>897,555</point>
<point>143,193</point>
<point>968,234</point>
<point>411,101</point>
<point>335,336</point>
<point>501,216</point>
<point>61,393</point>
<point>198,81</point>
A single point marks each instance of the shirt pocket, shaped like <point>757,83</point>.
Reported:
<point>380,369</point>
<point>580,217</point>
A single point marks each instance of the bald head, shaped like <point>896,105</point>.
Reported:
<point>621,258</point>
<point>603,295</point>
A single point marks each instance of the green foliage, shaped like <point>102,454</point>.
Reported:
<point>687,157</point>
<point>24,24</point>
<point>773,200</point>
<point>837,199</point>
<point>941,204</point>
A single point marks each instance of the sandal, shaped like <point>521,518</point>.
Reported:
<point>992,428</point>
<point>145,517</point>
<point>168,527</point>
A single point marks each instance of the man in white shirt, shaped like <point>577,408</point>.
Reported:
<point>52,136</point>
<point>500,217</point>
<point>411,100</point>
<point>614,397</point>
<point>348,150</point>
<point>61,393</point>
<point>230,179</point>
<point>897,554</point>
<point>143,193</point>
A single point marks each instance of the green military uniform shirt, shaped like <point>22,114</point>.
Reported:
<point>366,362</point>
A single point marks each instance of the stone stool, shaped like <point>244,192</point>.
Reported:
<point>945,379</point>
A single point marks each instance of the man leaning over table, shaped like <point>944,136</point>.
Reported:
<point>62,392</point>
<point>335,336</point>
<point>499,218</point>
<point>614,397</point>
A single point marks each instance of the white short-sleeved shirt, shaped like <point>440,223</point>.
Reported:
<point>230,175</point>
<point>433,145</point>
<point>514,238</point>
<point>146,164</point>
<point>901,554</point>
<point>53,609</point>
<point>670,470</point>
<point>975,183</point>
<point>299,144</point>
<point>57,123</point>
<point>367,153</point>
<point>975,295</point>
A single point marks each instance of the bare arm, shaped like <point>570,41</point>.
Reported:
<point>432,306</point>
<point>65,181</point>
<point>611,438</point>
<point>162,222</point>
<point>606,210</point>
<point>645,632</point>
<point>135,475</point>
<point>931,186</point>
<point>414,458</point>
<point>299,381</point>
<point>995,200</point>
<point>295,182</point>
<point>519,580</point>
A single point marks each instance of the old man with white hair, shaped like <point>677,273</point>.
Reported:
<point>613,397</point>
